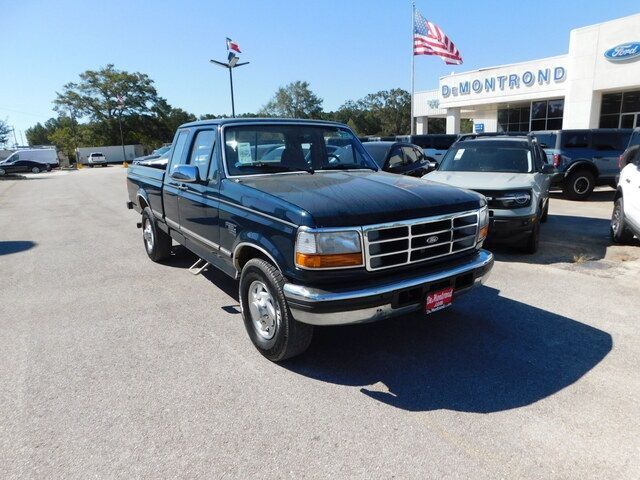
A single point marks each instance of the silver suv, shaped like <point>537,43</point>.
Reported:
<point>513,174</point>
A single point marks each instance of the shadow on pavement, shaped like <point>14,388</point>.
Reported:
<point>605,195</point>
<point>486,354</point>
<point>563,239</point>
<point>9,247</point>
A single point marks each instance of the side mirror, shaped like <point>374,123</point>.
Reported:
<point>548,169</point>
<point>433,165</point>
<point>186,174</point>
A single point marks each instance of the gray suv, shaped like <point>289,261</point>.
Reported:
<point>585,158</point>
<point>513,175</point>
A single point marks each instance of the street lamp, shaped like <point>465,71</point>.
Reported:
<point>231,64</point>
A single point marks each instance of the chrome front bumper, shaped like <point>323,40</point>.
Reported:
<point>341,307</point>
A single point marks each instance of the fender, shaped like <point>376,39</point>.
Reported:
<point>586,164</point>
<point>141,194</point>
<point>261,243</point>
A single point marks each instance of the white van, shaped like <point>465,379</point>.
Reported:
<point>48,156</point>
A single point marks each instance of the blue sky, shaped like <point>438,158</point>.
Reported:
<point>345,49</point>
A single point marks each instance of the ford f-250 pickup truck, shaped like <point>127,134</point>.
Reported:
<point>315,235</point>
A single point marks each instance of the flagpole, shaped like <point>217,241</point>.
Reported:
<point>413,59</point>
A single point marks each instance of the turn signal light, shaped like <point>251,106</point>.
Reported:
<point>557,160</point>
<point>483,232</point>
<point>314,260</point>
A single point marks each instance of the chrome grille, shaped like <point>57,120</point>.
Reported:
<point>413,241</point>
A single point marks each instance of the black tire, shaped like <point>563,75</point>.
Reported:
<point>545,213</point>
<point>35,170</point>
<point>620,233</point>
<point>533,240</point>
<point>288,336</point>
<point>91,165</point>
<point>159,246</point>
<point>579,185</point>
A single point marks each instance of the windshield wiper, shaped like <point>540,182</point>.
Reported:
<point>348,166</point>
<point>265,166</point>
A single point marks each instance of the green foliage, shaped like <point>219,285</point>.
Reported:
<point>295,100</point>
<point>385,112</point>
<point>37,135</point>
<point>466,125</point>
<point>5,130</point>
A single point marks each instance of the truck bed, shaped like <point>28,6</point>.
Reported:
<point>148,179</point>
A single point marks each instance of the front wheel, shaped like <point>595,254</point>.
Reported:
<point>266,315</point>
<point>619,231</point>
<point>35,170</point>
<point>2,172</point>
<point>156,242</point>
<point>533,240</point>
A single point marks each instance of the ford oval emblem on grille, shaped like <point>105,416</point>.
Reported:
<point>432,240</point>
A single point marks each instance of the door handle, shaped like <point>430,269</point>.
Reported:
<point>182,187</point>
<point>628,180</point>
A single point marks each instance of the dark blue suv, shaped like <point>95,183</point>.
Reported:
<point>584,158</point>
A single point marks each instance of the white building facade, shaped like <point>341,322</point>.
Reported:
<point>595,85</point>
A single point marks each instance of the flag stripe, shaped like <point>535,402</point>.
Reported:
<point>429,39</point>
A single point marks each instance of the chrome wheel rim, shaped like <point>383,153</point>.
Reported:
<point>35,170</point>
<point>147,234</point>
<point>615,219</point>
<point>581,185</point>
<point>264,310</point>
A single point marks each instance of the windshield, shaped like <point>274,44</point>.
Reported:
<point>259,149</point>
<point>161,150</point>
<point>488,156</point>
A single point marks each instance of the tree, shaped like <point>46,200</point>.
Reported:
<point>96,95</point>
<point>37,135</point>
<point>5,130</point>
<point>295,100</point>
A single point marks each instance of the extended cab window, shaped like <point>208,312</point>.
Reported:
<point>201,151</point>
<point>260,149</point>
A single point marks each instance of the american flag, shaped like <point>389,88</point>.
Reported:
<point>429,39</point>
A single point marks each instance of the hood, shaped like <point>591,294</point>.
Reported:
<point>483,180</point>
<point>349,198</point>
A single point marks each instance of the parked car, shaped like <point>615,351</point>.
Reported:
<point>96,158</point>
<point>512,173</point>
<point>625,220</point>
<point>434,146</point>
<point>46,156</point>
<point>586,158</point>
<point>313,240</point>
<point>157,153</point>
<point>398,157</point>
<point>14,164</point>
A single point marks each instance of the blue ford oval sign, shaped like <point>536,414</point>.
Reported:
<point>624,52</point>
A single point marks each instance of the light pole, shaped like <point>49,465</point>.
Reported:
<point>120,107</point>
<point>231,64</point>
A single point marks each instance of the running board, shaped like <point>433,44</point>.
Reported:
<point>198,267</point>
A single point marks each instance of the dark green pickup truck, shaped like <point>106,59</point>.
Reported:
<point>315,235</point>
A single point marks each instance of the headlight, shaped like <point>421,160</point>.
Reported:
<point>331,249</point>
<point>515,199</point>
<point>483,224</point>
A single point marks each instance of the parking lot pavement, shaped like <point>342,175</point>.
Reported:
<point>113,366</point>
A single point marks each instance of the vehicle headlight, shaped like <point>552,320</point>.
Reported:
<point>516,199</point>
<point>330,249</point>
<point>483,225</point>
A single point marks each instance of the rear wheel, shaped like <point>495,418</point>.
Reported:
<point>2,172</point>
<point>620,233</point>
<point>266,315</point>
<point>35,170</point>
<point>579,185</point>
<point>156,242</point>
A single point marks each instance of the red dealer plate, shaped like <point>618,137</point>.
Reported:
<point>438,300</point>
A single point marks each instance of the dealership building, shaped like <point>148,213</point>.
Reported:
<point>595,85</point>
